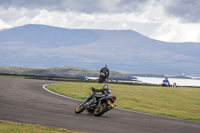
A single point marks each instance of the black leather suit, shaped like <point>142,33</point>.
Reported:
<point>105,70</point>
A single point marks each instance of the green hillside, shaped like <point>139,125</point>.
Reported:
<point>69,72</point>
<point>65,72</point>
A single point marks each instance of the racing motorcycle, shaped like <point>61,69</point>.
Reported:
<point>96,104</point>
<point>102,78</point>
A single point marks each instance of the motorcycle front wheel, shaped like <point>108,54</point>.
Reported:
<point>80,108</point>
<point>101,110</point>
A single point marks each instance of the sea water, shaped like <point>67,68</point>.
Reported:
<point>179,81</point>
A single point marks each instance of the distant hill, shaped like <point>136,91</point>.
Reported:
<point>62,72</point>
<point>42,46</point>
<point>47,37</point>
<point>67,72</point>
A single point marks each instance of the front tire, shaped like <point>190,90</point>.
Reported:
<point>80,108</point>
<point>101,110</point>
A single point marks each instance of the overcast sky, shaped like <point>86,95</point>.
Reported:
<point>166,20</point>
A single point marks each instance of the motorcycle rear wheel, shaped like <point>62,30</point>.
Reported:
<point>80,108</point>
<point>101,110</point>
<point>102,80</point>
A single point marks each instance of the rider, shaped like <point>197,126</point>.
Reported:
<point>105,90</point>
<point>105,71</point>
<point>166,82</point>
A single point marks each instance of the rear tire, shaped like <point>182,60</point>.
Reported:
<point>102,80</point>
<point>101,110</point>
<point>80,108</point>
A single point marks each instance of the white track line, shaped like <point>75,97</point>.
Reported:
<point>44,87</point>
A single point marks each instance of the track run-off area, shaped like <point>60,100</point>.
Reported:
<point>26,101</point>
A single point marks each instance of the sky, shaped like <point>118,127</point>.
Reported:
<point>165,20</point>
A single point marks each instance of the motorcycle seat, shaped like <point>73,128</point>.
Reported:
<point>99,96</point>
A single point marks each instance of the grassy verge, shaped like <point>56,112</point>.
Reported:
<point>12,76</point>
<point>180,102</point>
<point>26,128</point>
<point>45,78</point>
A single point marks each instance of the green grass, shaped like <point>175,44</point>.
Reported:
<point>12,76</point>
<point>180,102</point>
<point>6,127</point>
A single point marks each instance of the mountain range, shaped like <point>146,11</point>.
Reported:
<point>42,46</point>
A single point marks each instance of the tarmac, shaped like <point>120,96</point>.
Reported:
<point>26,101</point>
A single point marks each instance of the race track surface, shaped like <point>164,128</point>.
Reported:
<point>25,101</point>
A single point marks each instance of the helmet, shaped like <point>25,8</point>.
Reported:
<point>106,87</point>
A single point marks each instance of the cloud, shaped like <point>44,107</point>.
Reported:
<point>85,6</point>
<point>4,25</point>
<point>187,10</point>
<point>175,31</point>
<point>158,19</point>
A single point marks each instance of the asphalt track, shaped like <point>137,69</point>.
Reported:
<point>25,101</point>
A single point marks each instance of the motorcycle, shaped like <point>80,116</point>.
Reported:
<point>96,104</point>
<point>102,78</point>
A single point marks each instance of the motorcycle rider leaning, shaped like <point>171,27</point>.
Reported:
<point>105,90</point>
